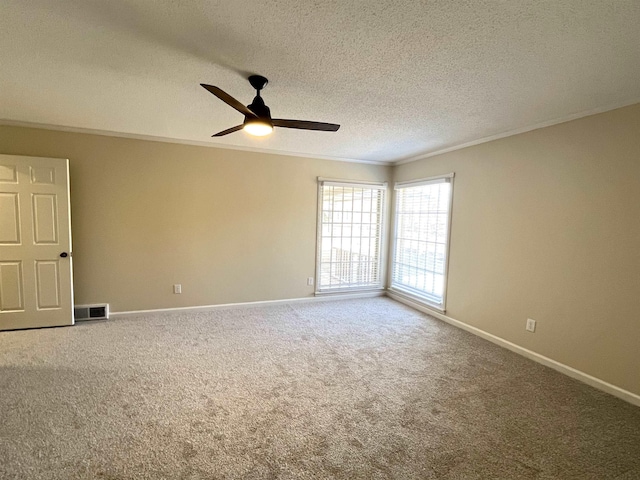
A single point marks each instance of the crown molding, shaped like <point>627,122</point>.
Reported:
<point>384,163</point>
<point>195,143</point>
<point>510,133</point>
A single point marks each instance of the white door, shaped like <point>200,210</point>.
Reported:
<point>35,243</point>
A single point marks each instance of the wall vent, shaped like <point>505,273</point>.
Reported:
<point>98,311</point>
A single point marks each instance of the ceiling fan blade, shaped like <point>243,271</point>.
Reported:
<point>305,125</point>
<point>229,100</point>
<point>228,131</point>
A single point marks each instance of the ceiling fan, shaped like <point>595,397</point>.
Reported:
<point>257,116</point>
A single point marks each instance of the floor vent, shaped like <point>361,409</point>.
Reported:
<point>99,311</point>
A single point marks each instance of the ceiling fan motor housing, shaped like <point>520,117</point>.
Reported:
<point>258,82</point>
<point>260,109</point>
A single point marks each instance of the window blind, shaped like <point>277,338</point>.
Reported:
<point>349,236</point>
<point>421,239</point>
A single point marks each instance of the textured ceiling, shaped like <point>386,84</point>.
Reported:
<point>403,78</point>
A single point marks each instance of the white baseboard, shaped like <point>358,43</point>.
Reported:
<point>206,308</point>
<point>536,357</point>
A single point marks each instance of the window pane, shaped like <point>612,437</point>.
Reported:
<point>420,252</point>
<point>350,235</point>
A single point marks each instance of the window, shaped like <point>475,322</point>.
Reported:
<point>421,240</point>
<point>350,218</point>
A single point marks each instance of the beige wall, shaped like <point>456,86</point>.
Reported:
<point>546,225</point>
<point>230,226</point>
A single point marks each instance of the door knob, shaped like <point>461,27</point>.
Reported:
<point>64,254</point>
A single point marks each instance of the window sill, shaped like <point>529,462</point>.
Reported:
<point>417,299</point>
<point>348,291</point>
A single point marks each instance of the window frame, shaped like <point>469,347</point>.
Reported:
<point>382,232</point>
<point>411,294</point>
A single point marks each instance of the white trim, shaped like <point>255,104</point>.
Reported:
<point>425,181</point>
<point>392,241</point>
<point>263,303</point>
<point>196,143</point>
<point>382,273</point>
<point>446,266</point>
<point>318,235</point>
<point>334,182</point>
<point>415,299</point>
<point>73,317</point>
<point>385,221</point>
<point>536,357</point>
<point>517,131</point>
<point>348,291</point>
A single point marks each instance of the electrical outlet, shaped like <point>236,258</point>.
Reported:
<point>177,288</point>
<point>531,325</point>
<point>310,281</point>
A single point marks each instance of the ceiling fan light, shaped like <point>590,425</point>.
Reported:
<point>258,128</point>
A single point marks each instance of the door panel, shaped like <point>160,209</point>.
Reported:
<point>43,175</point>
<point>47,284</point>
<point>8,174</point>
<point>45,221</point>
<point>11,295</point>
<point>9,219</point>
<point>35,228</point>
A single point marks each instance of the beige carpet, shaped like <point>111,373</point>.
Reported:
<point>351,389</point>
